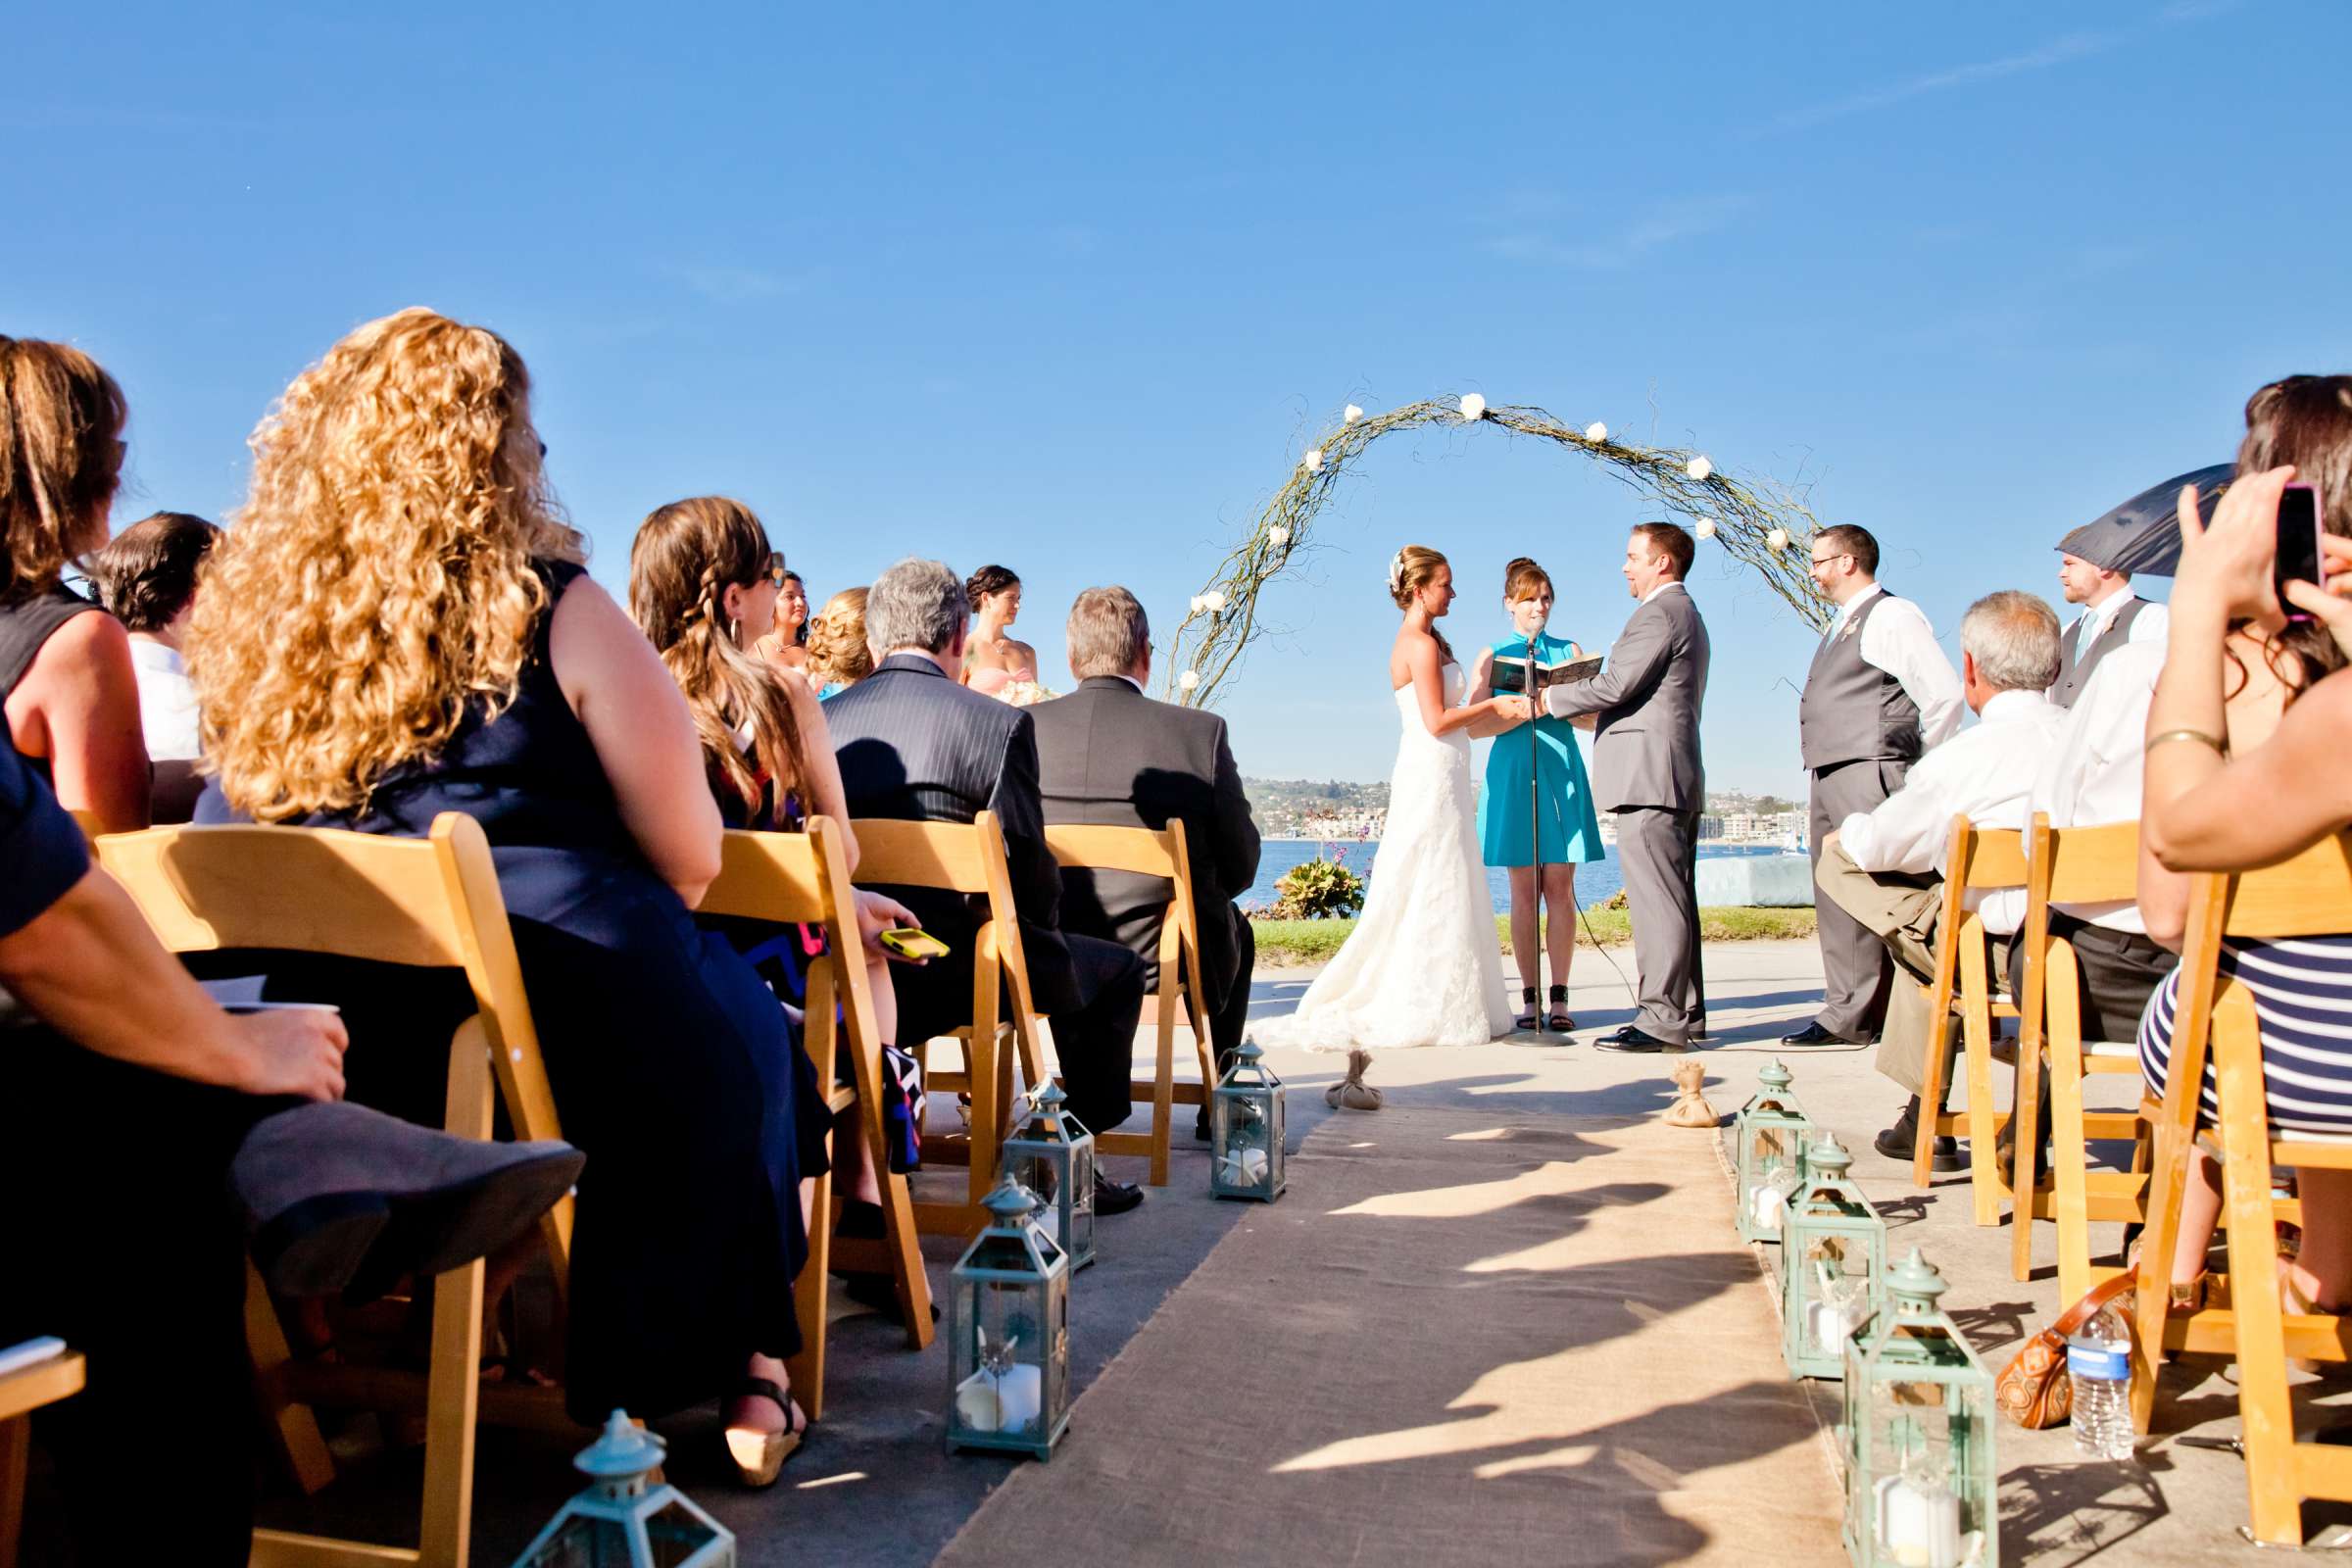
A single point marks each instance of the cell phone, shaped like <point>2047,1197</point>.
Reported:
<point>912,942</point>
<point>2299,555</point>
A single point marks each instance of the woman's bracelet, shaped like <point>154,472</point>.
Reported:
<point>2221,748</point>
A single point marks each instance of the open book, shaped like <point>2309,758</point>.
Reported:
<point>1508,676</point>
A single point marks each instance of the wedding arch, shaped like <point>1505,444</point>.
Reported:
<point>1753,521</point>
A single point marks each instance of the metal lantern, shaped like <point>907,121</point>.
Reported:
<point>1054,1156</point>
<point>1770,1133</point>
<point>1009,1333</point>
<point>1833,1265</point>
<point>621,1522</point>
<point>1245,1130</point>
<point>1922,1485</point>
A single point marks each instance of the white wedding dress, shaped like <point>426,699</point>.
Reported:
<point>1424,966</point>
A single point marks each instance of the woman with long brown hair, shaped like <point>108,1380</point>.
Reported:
<point>66,676</point>
<point>397,624</point>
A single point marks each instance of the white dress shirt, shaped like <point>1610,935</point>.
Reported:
<point>2092,777</point>
<point>166,702</point>
<point>2153,624</point>
<point>1661,588</point>
<point>1983,771</point>
<point>1898,640</point>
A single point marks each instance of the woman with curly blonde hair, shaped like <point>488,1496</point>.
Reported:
<point>837,657</point>
<point>397,625</point>
<point>67,677</point>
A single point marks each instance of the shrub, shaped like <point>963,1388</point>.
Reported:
<point>1318,890</point>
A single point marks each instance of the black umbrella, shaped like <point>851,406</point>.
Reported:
<point>2143,534</point>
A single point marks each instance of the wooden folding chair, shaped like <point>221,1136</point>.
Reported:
<point>1977,861</point>
<point>2310,894</point>
<point>1161,854</point>
<point>2071,865</point>
<point>803,878</point>
<point>966,858</point>
<point>20,1394</point>
<point>430,902</point>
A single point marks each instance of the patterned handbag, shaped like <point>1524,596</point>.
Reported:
<point>2034,1390</point>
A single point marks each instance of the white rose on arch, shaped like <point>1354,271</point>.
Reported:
<point>1313,459</point>
<point>1778,539</point>
<point>1474,408</point>
<point>1189,681</point>
<point>1199,603</point>
<point>1277,535</point>
<point>1596,433</point>
<point>1214,601</point>
<point>1351,415</point>
<point>1705,528</point>
<point>1698,468</point>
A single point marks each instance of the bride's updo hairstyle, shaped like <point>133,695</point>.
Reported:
<point>1410,571</point>
<point>1523,578</point>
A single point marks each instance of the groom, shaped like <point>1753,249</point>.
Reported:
<point>1646,774</point>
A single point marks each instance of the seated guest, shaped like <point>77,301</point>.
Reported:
<point>837,657</point>
<point>785,644</point>
<point>916,746</point>
<point>1884,866</point>
<point>993,661</point>
<point>1109,755</point>
<point>146,577</point>
<point>70,690</point>
<point>2232,788</point>
<point>399,625</point>
<point>2113,616</point>
<point>100,1019</point>
<point>701,576</point>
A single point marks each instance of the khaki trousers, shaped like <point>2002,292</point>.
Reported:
<point>1903,910</point>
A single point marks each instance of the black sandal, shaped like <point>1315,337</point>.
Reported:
<point>1559,1022</point>
<point>1527,1020</point>
<point>760,1455</point>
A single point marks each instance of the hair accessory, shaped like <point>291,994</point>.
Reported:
<point>1397,571</point>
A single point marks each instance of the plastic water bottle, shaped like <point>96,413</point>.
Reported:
<point>2098,1363</point>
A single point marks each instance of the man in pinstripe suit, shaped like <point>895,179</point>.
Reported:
<point>915,745</point>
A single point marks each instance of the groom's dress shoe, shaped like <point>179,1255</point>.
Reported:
<point>340,1198</point>
<point>1633,1040</point>
<point>1813,1034</point>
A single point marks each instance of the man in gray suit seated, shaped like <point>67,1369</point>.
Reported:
<point>1647,774</point>
<point>1109,755</point>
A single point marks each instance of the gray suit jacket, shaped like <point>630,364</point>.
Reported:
<point>1109,755</point>
<point>1645,746</point>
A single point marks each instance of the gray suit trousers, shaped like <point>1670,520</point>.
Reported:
<point>1655,851</point>
<point>1854,967</point>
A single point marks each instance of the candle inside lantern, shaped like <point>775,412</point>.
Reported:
<point>1770,1204</point>
<point>1829,1323</point>
<point>994,1401</point>
<point>1919,1522</point>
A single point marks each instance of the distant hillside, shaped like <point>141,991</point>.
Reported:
<point>1300,807</point>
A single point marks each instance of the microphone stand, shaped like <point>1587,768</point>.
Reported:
<point>1535,828</point>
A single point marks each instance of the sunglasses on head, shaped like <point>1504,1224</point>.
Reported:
<point>775,571</point>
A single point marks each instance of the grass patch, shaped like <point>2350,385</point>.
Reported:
<point>1282,942</point>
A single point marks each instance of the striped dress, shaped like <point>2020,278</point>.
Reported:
<point>2303,995</point>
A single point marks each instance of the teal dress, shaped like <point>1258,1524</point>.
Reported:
<point>1562,803</point>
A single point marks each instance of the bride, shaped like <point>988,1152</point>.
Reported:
<point>1422,967</point>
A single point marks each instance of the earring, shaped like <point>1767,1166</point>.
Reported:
<point>735,631</point>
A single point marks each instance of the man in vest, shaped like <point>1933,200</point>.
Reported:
<point>1879,692</point>
<point>2113,616</point>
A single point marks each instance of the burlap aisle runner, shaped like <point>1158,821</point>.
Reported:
<point>1458,1340</point>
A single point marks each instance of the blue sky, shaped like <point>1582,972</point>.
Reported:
<point>1070,287</point>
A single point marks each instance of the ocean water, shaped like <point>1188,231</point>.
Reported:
<point>1595,883</point>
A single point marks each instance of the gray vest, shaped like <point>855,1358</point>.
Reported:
<point>1853,710</point>
<point>2075,673</point>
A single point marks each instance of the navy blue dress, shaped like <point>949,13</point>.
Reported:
<point>673,1068</point>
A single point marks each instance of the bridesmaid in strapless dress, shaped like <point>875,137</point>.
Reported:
<point>993,661</point>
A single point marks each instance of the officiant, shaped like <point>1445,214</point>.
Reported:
<point>1534,814</point>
